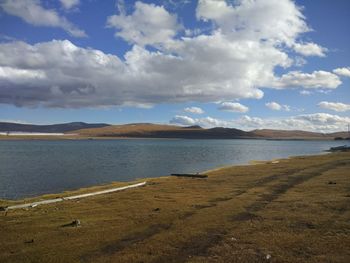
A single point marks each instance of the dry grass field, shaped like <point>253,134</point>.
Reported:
<point>127,129</point>
<point>294,210</point>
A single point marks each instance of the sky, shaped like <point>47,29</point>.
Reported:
<point>247,64</point>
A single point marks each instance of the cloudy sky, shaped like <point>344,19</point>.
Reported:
<point>246,64</point>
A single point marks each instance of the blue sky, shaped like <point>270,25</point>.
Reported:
<point>246,64</point>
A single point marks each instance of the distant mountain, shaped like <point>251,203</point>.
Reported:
<point>147,130</point>
<point>297,134</point>
<point>282,134</point>
<point>340,134</point>
<point>54,128</point>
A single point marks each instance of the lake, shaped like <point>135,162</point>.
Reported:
<point>35,167</point>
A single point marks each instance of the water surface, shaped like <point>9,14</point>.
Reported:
<point>29,168</point>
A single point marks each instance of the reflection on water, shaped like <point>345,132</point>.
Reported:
<point>30,168</point>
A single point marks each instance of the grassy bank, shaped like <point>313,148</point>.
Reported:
<point>294,210</point>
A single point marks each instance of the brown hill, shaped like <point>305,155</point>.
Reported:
<point>292,134</point>
<point>147,130</point>
<point>340,134</point>
<point>53,128</point>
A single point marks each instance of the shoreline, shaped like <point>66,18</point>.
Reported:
<point>108,185</point>
<point>68,137</point>
<point>243,213</point>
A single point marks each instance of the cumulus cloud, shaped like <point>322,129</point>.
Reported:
<point>69,4</point>
<point>274,20</point>
<point>310,49</point>
<point>317,122</point>
<point>194,110</point>
<point>233,106</point>
<point>334,106</point>
<point>207,122</point>
<point>273,105</point>
<point>80,77</point>
<point>314,80</point>
<point>147,25</point>
<point>342,71</point>
<point>183,120</point>
<point>33,13</point>
<point>235,59</point>
<point>277,107</point>
<point>324,119</point>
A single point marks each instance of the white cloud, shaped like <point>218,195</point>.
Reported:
<point>342,71</point>
<point>299,61</point>
<point>286,107</point>
<point>233,106</point>
<point>15,121</point>
<point>277,107</point>
<point>310,49</point>
<point>273,105</point>
<point>147,25</point>
<point>69,4</point>
<point>194,110</point>
<point>317,122</point>
<point>235,59</point>
<point>247,122</point>
<point>305,92</point>
<point>80,77</point>
<point>317,79</point>
<point>33,13</point>
<point>206,122</point>
<point>175,4</point>
<point>183,120</point>
<point>274,20</point>
<point>335,106</point>
<point>324,119</point>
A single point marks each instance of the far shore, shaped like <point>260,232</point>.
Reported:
<point>68,136</point>
<point>285,210</point>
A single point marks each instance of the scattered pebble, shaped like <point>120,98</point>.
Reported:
<point>268,256</point>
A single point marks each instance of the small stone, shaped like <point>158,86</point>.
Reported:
<point>29,241</point>
<point>268,256</point>
<point>3,208</point>
<point>76,223</point>
<point>156,209</point>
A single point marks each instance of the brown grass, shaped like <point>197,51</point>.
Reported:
<point>286,210</point>
<point>290,134</point>
<point>126,129</point>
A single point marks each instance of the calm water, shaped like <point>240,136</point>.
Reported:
<point>29,168</point>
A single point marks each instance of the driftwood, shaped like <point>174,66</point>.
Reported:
<point>343,148</point>
<point>74,223</point>
<point>191,175</point>
<point>74,197</point>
